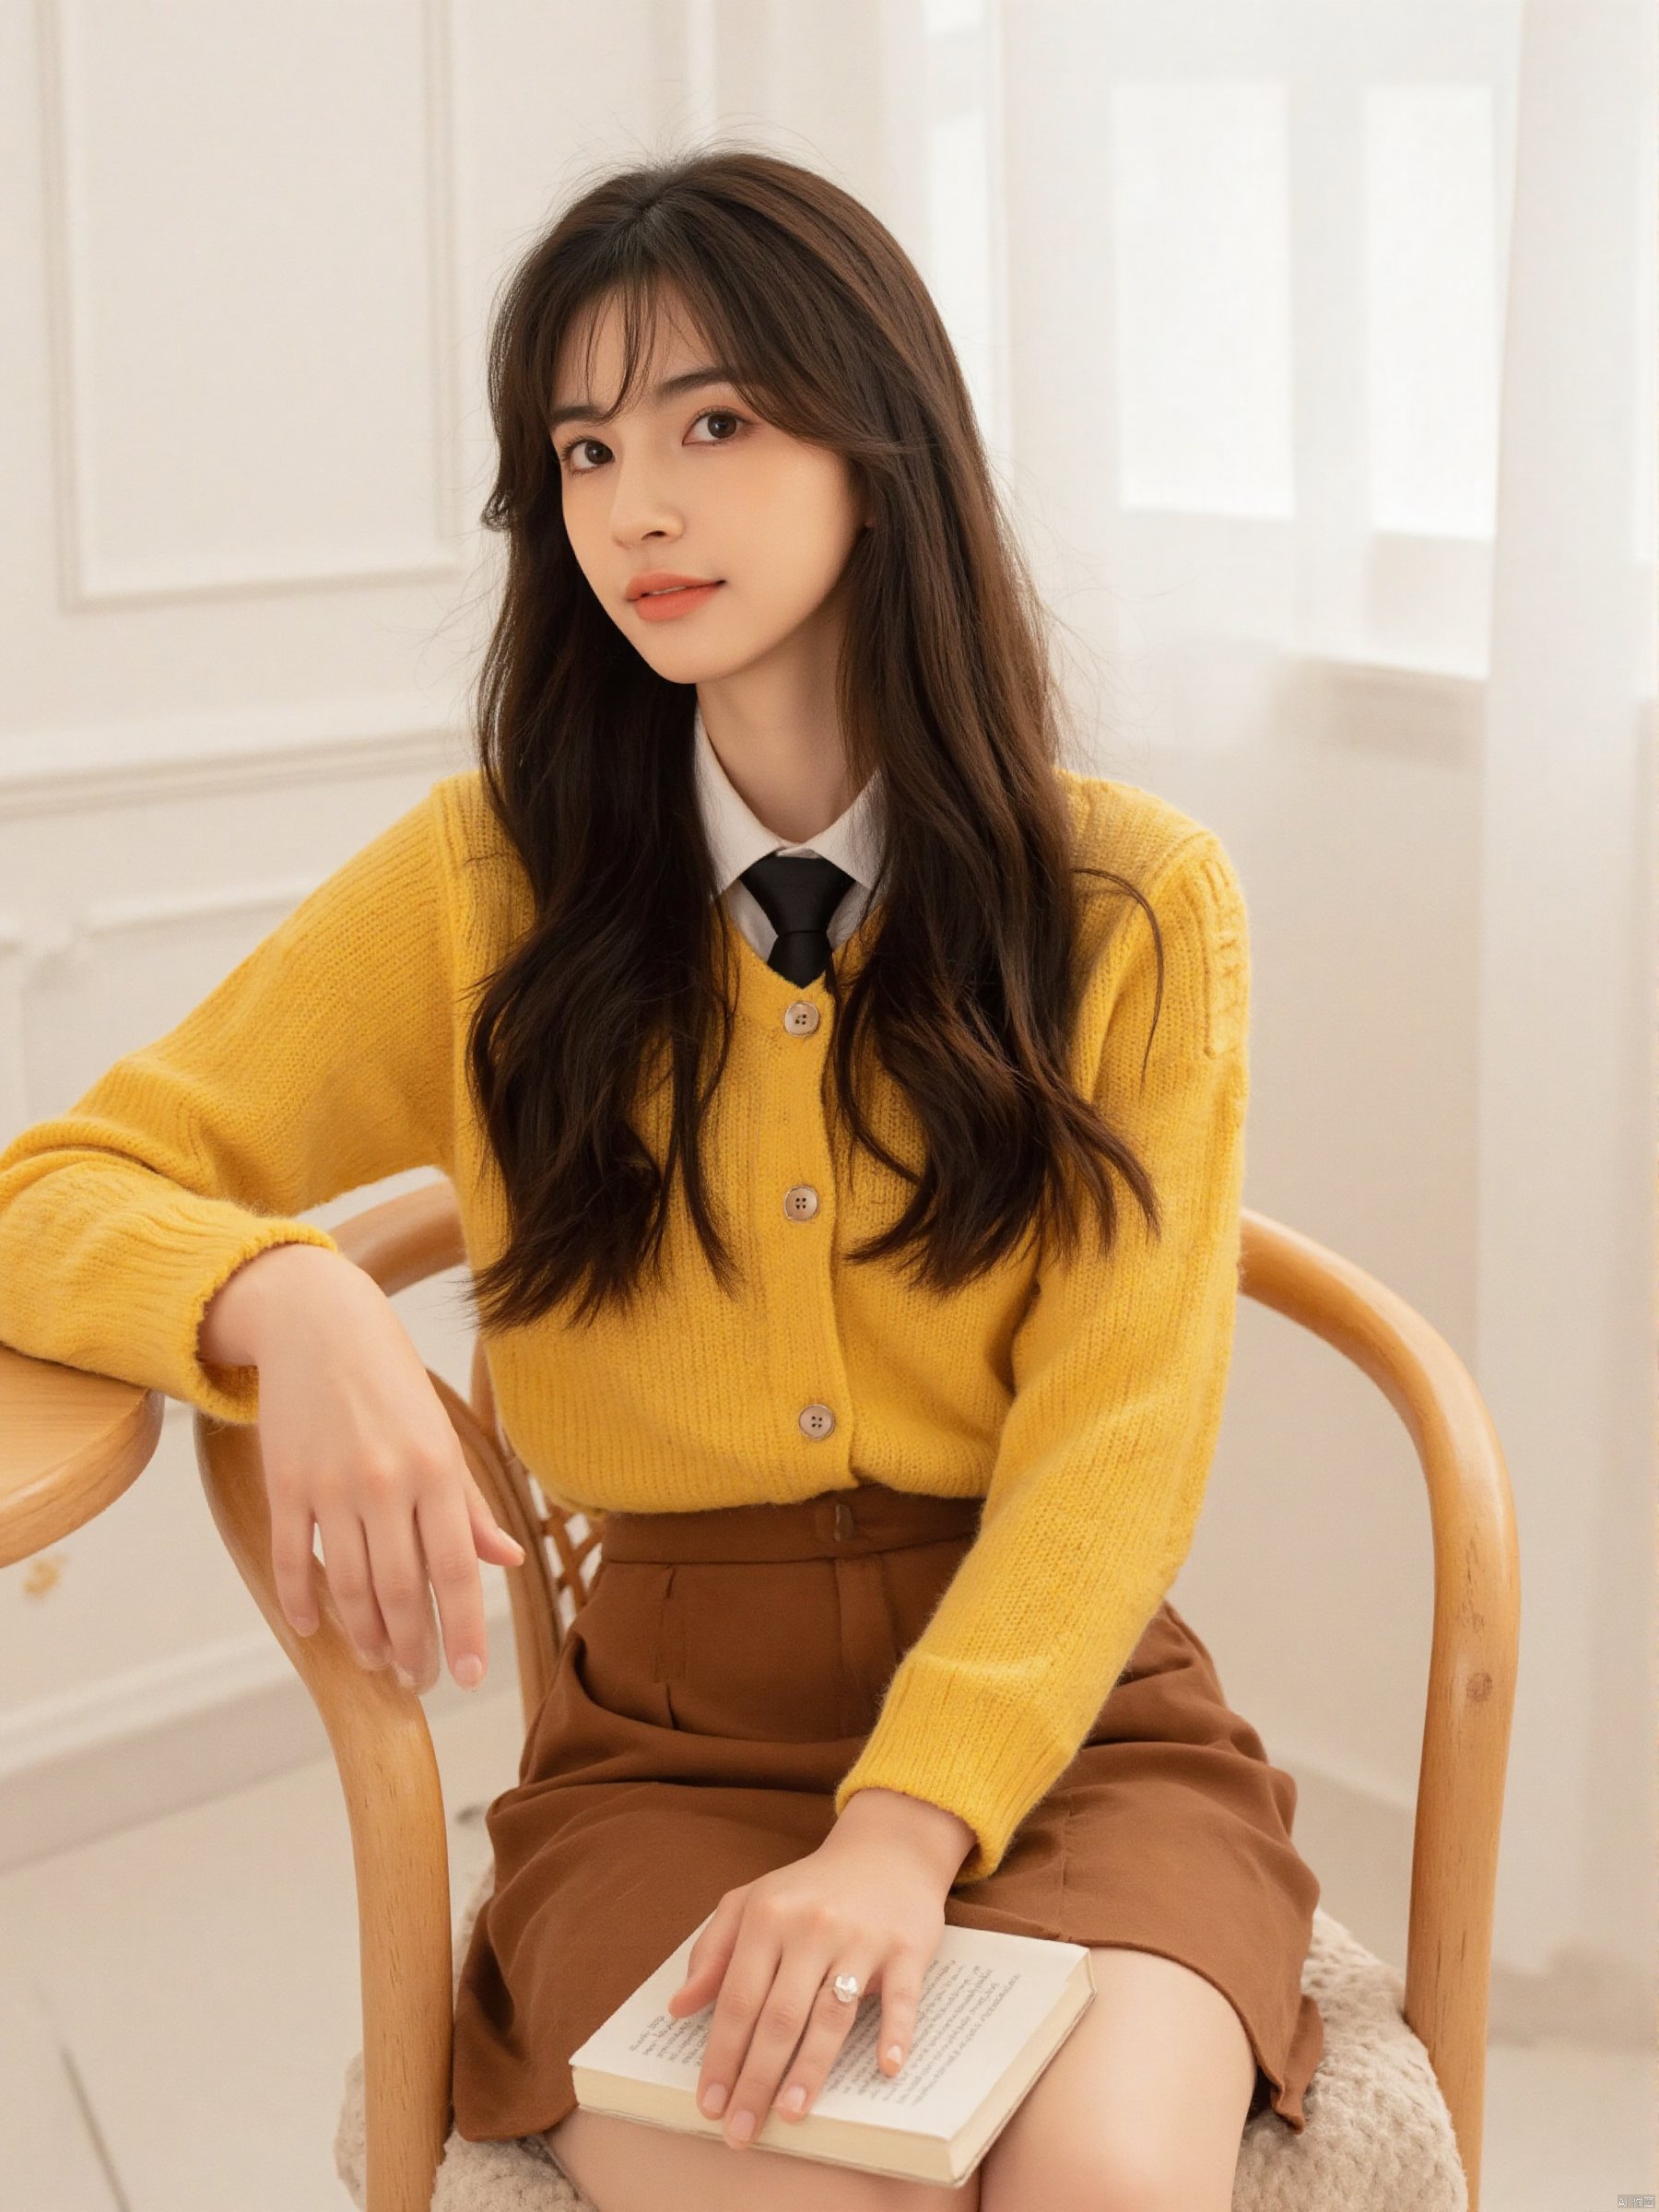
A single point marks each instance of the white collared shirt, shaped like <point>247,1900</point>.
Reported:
<point>737,838</point>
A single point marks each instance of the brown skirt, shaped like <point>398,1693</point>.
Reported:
<point>716,1684</point>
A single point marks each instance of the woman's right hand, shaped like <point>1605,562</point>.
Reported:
<point>356,1441</point>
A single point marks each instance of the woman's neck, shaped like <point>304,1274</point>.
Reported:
<point>792,775</point>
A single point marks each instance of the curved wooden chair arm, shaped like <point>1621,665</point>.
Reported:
<point>404,1240</point>
<point>71,1443</point>
<point>1475,1651</point>
<point>378,1730</point>
<point>399,1843</point>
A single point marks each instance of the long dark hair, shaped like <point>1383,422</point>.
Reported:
<point>968,990</point>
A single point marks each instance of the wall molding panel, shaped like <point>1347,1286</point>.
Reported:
<point>56,772</point>
<point>121,918</point>
<point>166,553</point>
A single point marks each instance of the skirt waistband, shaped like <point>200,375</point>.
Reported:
<point>869,1517</point>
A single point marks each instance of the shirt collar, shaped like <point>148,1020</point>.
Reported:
<point>737,838</point>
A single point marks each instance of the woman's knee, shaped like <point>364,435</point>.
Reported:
<point>1094,2171</point>
<point>1142,2109</point>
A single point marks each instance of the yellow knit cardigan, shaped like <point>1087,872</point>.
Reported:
<point>1083,1407</point>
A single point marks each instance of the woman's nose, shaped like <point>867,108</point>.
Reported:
<point>641,510</point>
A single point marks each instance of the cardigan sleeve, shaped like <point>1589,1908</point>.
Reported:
<point>1120,1368</point>
<point>321,1063</point>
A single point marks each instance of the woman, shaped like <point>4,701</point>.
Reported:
<point>770,993</point>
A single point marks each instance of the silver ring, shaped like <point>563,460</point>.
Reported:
<point>846,1988</point>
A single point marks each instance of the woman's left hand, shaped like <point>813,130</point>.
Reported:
<point>869,1901</point>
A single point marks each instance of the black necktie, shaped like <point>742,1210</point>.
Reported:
<point>798,893</point>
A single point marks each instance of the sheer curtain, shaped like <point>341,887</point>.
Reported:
<point>1564,1344</point>
<point>1313,345</point>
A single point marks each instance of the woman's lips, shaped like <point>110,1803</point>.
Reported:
<point>662,606</point>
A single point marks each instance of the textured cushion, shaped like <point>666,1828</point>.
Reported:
<point>1378,2139</point>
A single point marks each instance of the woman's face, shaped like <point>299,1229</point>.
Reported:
<point>692,483</point>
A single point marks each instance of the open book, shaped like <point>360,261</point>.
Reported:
<point>992,2012</point>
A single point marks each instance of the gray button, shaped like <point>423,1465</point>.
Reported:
<point>816,1421</point>
<point>800,1018</point>
<point>800,1202</point>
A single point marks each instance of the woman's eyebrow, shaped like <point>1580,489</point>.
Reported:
<point>688,380</point>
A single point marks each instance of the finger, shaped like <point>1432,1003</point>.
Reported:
<point>745,1990</point>
<point>451,1565</point>
<point>490,1540</point>
<point>828,2028</point>
<point>701,1982</point>
<point>709,1957</point>
<point>901,1980</point>
<point>797,2003</point>
<point>345,1563</point>
<point>400,1583</point>
<point>292,1563</point>
<point>493,1543</point>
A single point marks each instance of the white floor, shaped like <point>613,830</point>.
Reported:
<point>178,2005</point>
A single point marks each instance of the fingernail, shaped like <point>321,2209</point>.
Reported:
<point>469,1671</point>
<point>894,2055</point>
<point>405,1681</point>
<point>743,2126</point>
<point>794,2098</point>
<point>714,2101</point>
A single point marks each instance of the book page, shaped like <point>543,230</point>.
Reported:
<point>973,2017</point>
<point>970,2021</point>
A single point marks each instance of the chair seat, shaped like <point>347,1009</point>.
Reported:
<point>1379,2136</point>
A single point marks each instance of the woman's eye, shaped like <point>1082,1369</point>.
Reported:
<point>569,451</point>
<point>719,415</point>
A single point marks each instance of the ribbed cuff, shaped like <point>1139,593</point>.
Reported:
<point>982,1750</point>
<point>229,1394</point>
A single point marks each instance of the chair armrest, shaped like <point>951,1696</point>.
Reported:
<point>400,1847</point>
<point>1473,1655</point>
<point>404,1240</point>
<point>71,1443</point>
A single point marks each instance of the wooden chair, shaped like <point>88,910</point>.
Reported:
<point>70,1442</point>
